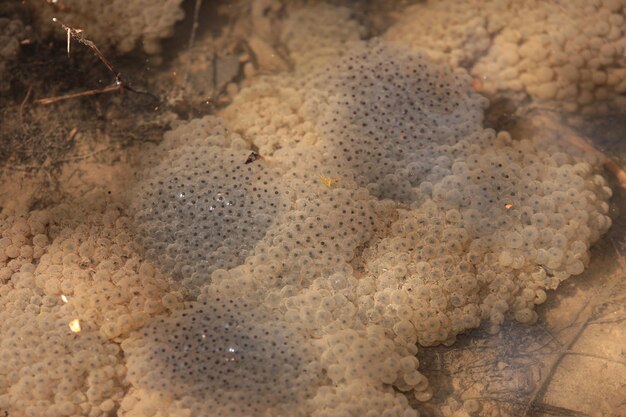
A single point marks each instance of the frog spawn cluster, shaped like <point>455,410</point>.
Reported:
<point>73,286</point>
<point>487,223</point>
<point>463,246</point>
<point>351,281</point>
<point>505,225</point>
<point>227,356</point>
<point>316,229</point>
<point>389,115</point>
<point>211,203</point>
<point>205,210</point>
<point>534,48</point>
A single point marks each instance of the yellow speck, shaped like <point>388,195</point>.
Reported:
<point>75,325</point>
<point>64,298</point>
<point>508,206</point>
<point>328,181</point>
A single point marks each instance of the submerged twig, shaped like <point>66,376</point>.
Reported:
<point>120,84</point>
<point>79,36</point>
<point>615,169</point>
<point>22,105</point>
<point>51,100</point>
<point>192,38</point>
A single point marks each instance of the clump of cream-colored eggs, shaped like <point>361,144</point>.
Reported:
<point>228,357</point>
<point>288,257</point>
<point>528,49</point>
<point>506,224</point>
<point>73,286</point>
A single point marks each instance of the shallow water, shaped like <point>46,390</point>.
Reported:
<point>114,275</point>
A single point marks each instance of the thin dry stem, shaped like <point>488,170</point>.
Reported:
<point>22,105</point>
<point>118,85</point>
<point>51,100</point>
<point>192,37</point>
<point>78,34</point>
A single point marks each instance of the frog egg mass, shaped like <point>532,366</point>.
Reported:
<point>204,208</point>
<point>389,113</point>
<point>294,253</point>
<point>224,359</point>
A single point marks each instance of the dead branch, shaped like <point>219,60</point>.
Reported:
<point>51,100</point>
<point>119,84</point>
<point>22,105</point>
<point>79,36</point>
<point>192,37</point>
